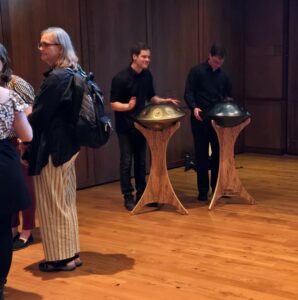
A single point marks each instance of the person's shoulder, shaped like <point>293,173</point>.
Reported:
<point>197,69</point>
<point>122,76</point>
<point>22,88</point>
<point>202,66</point>
<point>19,81</point>
<point>61,72</point>
<point>58,76</point>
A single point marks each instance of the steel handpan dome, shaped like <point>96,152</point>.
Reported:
<point>228,114</point>
<point>159,116</point>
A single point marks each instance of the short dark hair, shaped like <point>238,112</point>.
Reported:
<point>217,50</point>
<point>6,70</point>
<point>137,48</point>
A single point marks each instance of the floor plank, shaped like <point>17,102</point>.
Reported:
<point>237,251</point>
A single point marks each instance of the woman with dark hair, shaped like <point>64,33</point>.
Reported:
<point>14,195</point>
<point>26,92</point>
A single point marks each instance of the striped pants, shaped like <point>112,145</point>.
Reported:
<point>55,192</point>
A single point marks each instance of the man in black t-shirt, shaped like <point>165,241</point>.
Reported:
<point>206,85</point>
<point>131,90</point>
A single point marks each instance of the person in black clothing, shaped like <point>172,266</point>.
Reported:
<point>206,85</point>
<point>14,194</point>
<point>131,89</point>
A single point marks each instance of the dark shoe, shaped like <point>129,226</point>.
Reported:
<point>189,163</point>
<point>56,266</point>
<point>203,197</point>
<point>129,202</point>
<point>19,243</point>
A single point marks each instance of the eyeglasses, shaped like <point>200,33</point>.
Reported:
<point>46,45</point>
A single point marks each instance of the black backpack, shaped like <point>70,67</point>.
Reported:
<point>93,126</point>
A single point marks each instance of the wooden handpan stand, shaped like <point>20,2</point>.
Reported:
<point>159,188</point>
<point>228,182</point>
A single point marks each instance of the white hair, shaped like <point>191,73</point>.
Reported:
<point>68,57</point>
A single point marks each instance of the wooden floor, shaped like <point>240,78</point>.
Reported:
<point>237,251</point>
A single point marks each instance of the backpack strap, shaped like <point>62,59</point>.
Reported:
<point>78,94</point>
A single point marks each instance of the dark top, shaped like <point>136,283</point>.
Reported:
<point>205,87</point>
<point>14,194</point>
<point>52,121</point>
<point>125,85</point>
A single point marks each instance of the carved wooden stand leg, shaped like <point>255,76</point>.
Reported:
<point>228,182</point>
<point>159,188</point>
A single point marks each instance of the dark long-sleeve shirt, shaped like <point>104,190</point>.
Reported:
<point>205,87</point>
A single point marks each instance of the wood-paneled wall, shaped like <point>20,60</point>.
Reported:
<point>265,70</point>
<point>180,33</point>
<point>292,105</point>
<point>110,28</point>
<point>174,38</point>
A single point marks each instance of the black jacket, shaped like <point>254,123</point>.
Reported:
<point>52,121</point>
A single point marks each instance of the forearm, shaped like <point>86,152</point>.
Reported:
<point>22,127</point>
<point>158,100</point>
<point>118,106</point>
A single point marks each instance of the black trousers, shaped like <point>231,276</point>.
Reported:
<point>5,245</point>
<point>203,135</point>
<point>132,151</point>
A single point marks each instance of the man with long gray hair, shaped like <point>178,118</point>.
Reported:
<point>52,154</point>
